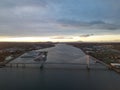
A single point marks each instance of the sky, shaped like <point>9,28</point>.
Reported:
<point>60,20</point>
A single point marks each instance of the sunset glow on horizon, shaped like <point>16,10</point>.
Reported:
<point>99,38</point>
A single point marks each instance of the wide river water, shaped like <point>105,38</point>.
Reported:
<point>61,78</point>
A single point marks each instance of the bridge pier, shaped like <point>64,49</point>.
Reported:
<point>88,62</point>
<point>41,67</point>
<point>23,65</point>
<point>88,68</point>
<point>17,65</point>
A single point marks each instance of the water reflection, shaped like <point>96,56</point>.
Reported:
<point>72,78</point>
<point>35,79</point>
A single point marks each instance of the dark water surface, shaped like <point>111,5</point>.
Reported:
<point>59,76</point>
<point>58,79</point>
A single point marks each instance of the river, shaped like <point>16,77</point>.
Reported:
<point>60,76</point>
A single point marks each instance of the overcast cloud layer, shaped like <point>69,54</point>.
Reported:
<point>59,17</point>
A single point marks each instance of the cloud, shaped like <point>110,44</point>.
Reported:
<point>97,22</point>
<point>24,18</point>
<point>58,17</point>
<point>21,3</point>
<point>61,37</point>
<point>90,25</point>
<point>86,35</point>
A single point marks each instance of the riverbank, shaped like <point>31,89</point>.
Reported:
<point>104,52</point>
<point>11,50</point>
